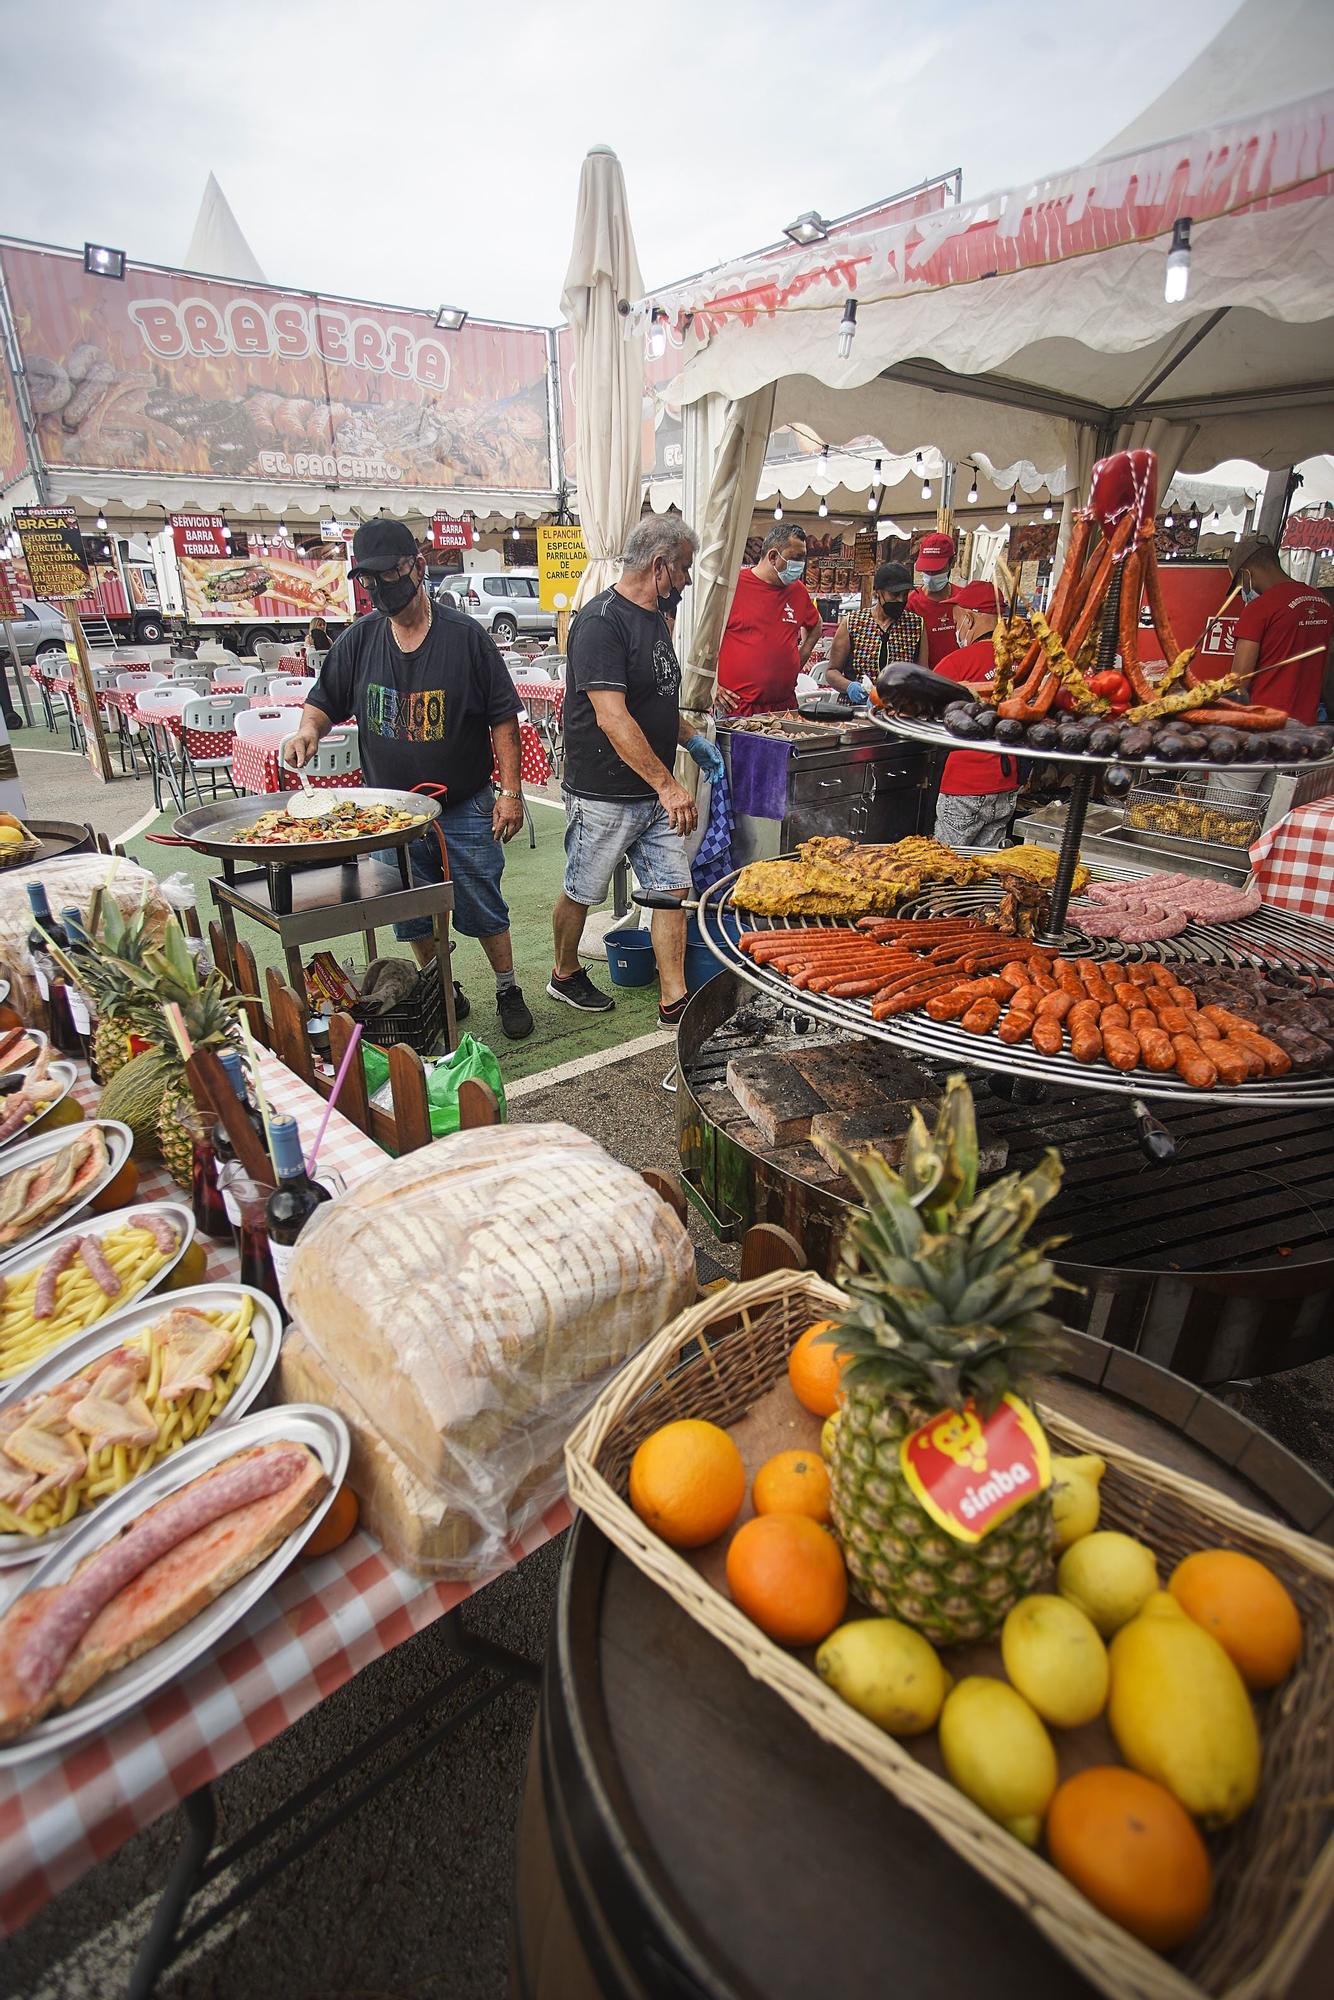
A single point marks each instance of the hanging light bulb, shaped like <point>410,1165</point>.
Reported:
<point>823,509</point>
<point>778,510</point>
<point>101,521</point>
<point>657,338</point>
<point>1012,504</point>
<point>972,490</point>
<point>1047,512</point>
<point>877,478</point>
<point>1217,520</point>
<point>926,489</point>
<point>870,502</point>
<point>1169,518</point>
<point>847,329</point>
<point>1176,279</point>
<point>514,532</point>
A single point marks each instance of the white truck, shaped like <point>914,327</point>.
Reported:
<point>243,598</point>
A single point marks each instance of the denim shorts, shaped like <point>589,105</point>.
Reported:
<point>476,861</point>
<point>600,833</point>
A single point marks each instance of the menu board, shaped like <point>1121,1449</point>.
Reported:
<point>52,551</point>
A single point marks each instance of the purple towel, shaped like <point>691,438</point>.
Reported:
<point>759,775</point>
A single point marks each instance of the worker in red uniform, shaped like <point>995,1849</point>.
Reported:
<point>1281,618</point>
<point>771,629</point>
<point>932,596</point>
<point>976,787</point>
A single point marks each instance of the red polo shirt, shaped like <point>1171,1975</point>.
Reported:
<point>970,773</point>
<point>1285,619</point>
<point>937,614</point>
<point>758,656</point>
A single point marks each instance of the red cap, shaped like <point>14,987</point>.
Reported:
<point>977,597</point>
<point>934,553</point>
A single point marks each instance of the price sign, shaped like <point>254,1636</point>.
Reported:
<point>52,551</point>
<point>561,560</point>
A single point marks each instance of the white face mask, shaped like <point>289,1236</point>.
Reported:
<point>933,585</point>
<point>1248,594</point>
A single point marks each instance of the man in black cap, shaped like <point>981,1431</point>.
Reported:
<point>433,703</point>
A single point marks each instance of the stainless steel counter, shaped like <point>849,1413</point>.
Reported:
<point>843,778</point>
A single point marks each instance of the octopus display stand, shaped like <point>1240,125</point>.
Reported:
<point>683,1834</point>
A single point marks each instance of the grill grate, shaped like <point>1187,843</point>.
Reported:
<point>1271,941</point>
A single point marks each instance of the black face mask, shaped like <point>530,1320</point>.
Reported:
<point>893,612</point>
<point>391,594</point>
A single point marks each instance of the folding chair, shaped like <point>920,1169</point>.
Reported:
<point>152,707</point>
<point>137,680</point>
<point>208,735</point>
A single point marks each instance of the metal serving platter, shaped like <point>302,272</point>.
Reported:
<point>121,1693</point>
<point>1271,941</point>
<point>120,1143</point>
<point>63,1073</point>
<point>941,738</point>
<point>57,1367</point>
<point>23,1261</point>
<point>212,828</point>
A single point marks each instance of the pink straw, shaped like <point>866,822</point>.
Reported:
<point>348,1054</point>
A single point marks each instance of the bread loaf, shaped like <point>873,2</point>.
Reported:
<point>461,1308</point>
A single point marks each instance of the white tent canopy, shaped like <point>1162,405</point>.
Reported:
<point>156,493</point>
<point>216,243</point>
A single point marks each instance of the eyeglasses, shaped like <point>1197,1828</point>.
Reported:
<point>383,575</point>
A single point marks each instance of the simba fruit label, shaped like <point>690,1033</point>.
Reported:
<point>970,1475</point>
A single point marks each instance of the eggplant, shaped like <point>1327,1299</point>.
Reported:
<point>910,690</point>
<point>965,726</point>
<point>1040,735</point>
<point>1009,730</point>
<point>1072,737</point>
<point>1105,739</point>
<point>1171,749</point>
<point>987,718</point>
<point>1117,781</point>
<point>1195,743</point>
<point>1224,746</point>
<point>958,716</point>
<point>1137,742</point>
<point>1274,747</point>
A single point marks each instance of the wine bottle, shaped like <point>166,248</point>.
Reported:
<point>79,949</point>
<point>293,1201</point>
<point>224,1152</point>
<point>50,980</point>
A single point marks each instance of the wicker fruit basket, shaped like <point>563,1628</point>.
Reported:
<point>1273,1868</point>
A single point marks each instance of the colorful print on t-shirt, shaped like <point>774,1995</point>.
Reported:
<point>409,718</point>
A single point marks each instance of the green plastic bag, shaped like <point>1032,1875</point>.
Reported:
<point>470,1059</point>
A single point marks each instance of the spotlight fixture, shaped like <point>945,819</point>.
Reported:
<point>450,318</point>
<point>657,336</point>
<point>1177,277</point>
<point>972,490</point>
<point>101,521</point>
<point>1012,504</point>
<point>99,261</point>
<point>847,329</point>
<point>808,228</point>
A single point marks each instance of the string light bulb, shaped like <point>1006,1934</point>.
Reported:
<point>101,521</point>
<point>823,509</point>
<point>778,510</point>
<point>1048,512</point>
<point>657,337</point>
<point>514,532</point>
<point>877,478</point>
<point>847,329</point>
<point>972,490</point>
<point>926,489</point>
<point>1176,279</point>
<point>1169,518</point>
<point>870,502</point>
<point>1012,504</point>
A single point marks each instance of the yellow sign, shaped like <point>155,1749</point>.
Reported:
<point>561,561</point>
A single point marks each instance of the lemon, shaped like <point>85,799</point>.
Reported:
<point>10,836</point>
<point>1074,1497</point>
<point>1055,1658</point>
<point>887,1672</point>
<point>828,1432</point>
<point>1180,1712</point>
<point>998,1754</point>
<point>1108,1576</point>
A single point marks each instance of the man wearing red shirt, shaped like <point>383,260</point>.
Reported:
<point>933,598</point>
<point>976,787</point>
<point>1281,618</point>
<point>771,629</point>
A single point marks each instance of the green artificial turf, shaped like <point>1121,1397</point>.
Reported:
<point>531,884</point>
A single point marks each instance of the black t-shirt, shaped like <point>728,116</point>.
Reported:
<point>423,717</point>
<point>322,641</point>
<point>616,644</point>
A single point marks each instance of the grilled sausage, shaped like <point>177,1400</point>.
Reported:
<point>1227,1059</point>
<point>981,1017</point>
<point>1048,1034</point>
<point>1192,1065</point>
<point>1120,1045</point>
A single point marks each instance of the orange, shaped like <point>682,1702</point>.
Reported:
<point>813,1369</point>
<point>786,1572</point>
<point>190,1270</point>
<point>119,1191</point>
<point>687,1482</point>
<point>794,1482</point>
<point>1245,1607</point>
<point>1133,1851</point>
<point>338,1523</point>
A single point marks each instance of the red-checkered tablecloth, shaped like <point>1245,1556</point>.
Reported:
<point>255,768</point>
<point>1293,861</point>
<point>329,1617</point>
<point>539,696</point>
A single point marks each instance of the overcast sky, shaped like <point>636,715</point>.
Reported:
<point>425,152</point>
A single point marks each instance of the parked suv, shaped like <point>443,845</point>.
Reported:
<point>505,601</point>
<point>37,628</point>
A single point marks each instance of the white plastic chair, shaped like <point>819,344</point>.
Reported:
<point>152,706</point>
<point>289,688</point>
<point>269,651</point>
<point>204,717</point>
<point>338,756</point>
<point>264,724</point>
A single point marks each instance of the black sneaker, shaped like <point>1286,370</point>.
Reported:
<point>462,1004</point>
<point>515,1019</point>
<point>579,991</point>
<point>669,1016</point>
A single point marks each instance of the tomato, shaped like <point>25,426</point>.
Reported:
<point>1065,701</point>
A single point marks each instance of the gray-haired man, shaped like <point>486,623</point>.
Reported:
<point>622,728</point>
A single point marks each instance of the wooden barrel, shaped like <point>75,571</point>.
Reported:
<point>684,1834</point>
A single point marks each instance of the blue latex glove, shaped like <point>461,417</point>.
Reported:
<point>708,756</point>
<point>857,694</point>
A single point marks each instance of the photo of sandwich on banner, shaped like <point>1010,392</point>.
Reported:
<point>214,584</point>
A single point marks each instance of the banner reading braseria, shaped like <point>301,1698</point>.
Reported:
<point>13,449</point>
<point>167,372</point>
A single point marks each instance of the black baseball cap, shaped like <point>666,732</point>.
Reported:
<point>381,545</point>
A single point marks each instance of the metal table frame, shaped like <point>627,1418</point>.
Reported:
<point>197,1862</point>
<point>336,901</point>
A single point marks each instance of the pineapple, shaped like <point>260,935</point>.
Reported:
<point>113,971</point>
<point>209,1010</point>
<point>947,1304</point>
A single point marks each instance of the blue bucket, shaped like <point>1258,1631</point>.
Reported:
<point>630,958</point>
<point>701,965</point>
